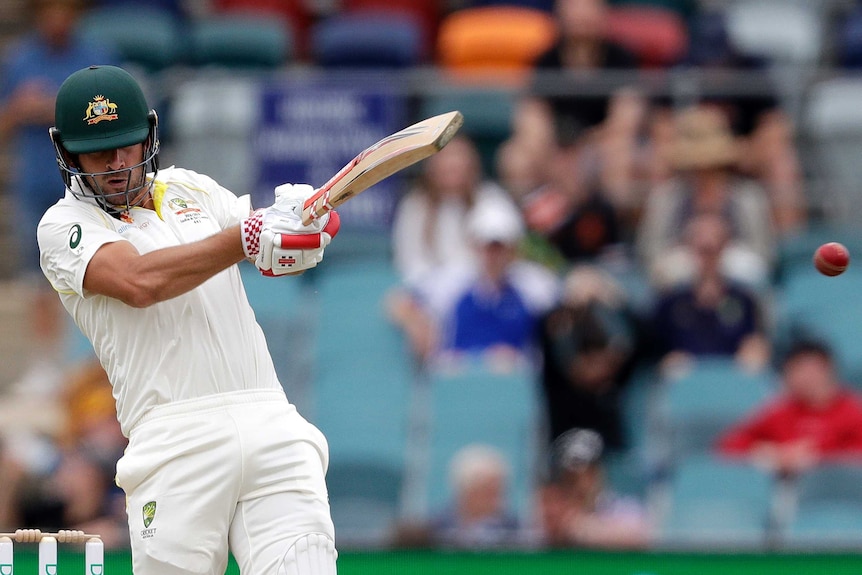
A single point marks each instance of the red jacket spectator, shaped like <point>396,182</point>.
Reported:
<point>834,429</point>
<point>815,418</point>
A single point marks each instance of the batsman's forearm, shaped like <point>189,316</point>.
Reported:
<point>177,270</point>
<point>117,270</point>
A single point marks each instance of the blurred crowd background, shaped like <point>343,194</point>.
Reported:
<point>591,321</point>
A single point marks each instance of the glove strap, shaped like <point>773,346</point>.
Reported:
<point>251,227</point>
<point>311,241</point>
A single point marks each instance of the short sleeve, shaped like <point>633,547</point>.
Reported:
<point>68,238</point>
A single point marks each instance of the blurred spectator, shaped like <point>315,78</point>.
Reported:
<point>488,310</point>
<point>479,516</point>
<point>588,223</point>
<point>815,418</point>
<point>589,345</point>
<point>71,485</point>
<point>582,47</point>
<point>624,154</point>
<point>576,506</point>
<point>710,315</point>
<point>567,96</point>
<point>429,228</point>
<point>764,130</point>
<point>571,210</point>
<point>703,155</point>
<point>34,66</point>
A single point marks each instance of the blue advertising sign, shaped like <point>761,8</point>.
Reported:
<point>309,130</point>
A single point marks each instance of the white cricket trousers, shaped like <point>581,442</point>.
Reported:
<point>240,471</point>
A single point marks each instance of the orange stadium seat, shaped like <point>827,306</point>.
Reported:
<point>657,36</point>
<point>494,39</point>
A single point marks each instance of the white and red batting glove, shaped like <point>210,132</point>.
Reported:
<point>276,239</point>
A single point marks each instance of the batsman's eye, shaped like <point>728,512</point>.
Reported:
<point>74,236</point>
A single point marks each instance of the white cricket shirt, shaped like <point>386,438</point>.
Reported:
<point>201,343</point>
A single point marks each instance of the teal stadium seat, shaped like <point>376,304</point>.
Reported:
<point>148,37</point>
<point>477,405</point>
<point>487,113</point>
<point>810,305</point>
<point>364,498</point>
<point>695,407</point>
<point>280,306</point>
<point>718,503</point>
<point>241,41</point>
<point>363,371</point>
<point>796,249</point>
<point>828,509</point>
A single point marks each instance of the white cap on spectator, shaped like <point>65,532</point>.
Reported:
<point>495,221</point>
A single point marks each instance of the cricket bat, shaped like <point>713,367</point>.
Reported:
<point>379,161</point>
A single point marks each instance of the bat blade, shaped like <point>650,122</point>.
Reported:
<point>379,161</point>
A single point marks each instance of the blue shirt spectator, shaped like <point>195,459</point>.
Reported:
<point>33,68</point>
<point>484,318</point>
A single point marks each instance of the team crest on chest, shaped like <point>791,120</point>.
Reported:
<point>186,210</point>
<point>100,109</point>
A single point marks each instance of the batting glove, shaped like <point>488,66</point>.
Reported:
<point>276,239</point>
<point>288,253</point>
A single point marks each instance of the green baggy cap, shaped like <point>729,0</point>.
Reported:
<point>101,108</point>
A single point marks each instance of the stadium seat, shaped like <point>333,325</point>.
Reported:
<point>364,498</point>
<point>247,41</point>
<point>656,36</point>
<point>546,5</point>
<point>280,306</point>
<point>211,131</point>
<point>813,306</point>
<point>782,32</point>
<point>828,507</point>
<point>715,502</point>
<point>501,40</point>
<point>371,40</point>
<point>294,13</point>
<point>796,249</point>
<point>695,407</point>
<point>832,125</point>
<point>363,370</point>
<point>487,115</point>
<point>144,36</point>
<point>474,404</point>
<point>426,12</point>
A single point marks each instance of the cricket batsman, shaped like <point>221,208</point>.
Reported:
<point>145,262</point>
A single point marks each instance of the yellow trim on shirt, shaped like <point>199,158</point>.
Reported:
<point>159,190</point>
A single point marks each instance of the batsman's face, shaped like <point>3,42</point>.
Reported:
<point>113,172</point>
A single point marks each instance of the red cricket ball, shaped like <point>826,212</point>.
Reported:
<point>831,259</point>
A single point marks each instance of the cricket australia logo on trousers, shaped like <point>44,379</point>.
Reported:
<point>149,514</point>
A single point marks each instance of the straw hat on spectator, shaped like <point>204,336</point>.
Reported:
<point>703,140</point>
